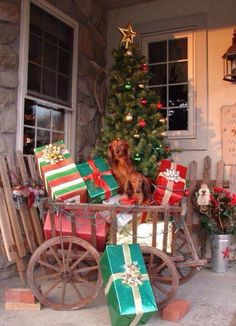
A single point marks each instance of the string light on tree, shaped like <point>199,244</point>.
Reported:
<point>162,120</point>
<point>141,86</point>
<point>129,53</point>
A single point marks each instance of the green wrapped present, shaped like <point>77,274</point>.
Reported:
<point>128,289</point>
<point>58,171</point>
<point>99,179</point>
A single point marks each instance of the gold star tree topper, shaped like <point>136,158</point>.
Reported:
<point>128,35</point>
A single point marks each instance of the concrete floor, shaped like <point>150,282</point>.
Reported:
<point>212,297</point>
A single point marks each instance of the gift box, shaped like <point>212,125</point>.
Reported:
<point>62,225</point>
<point>58,171</point>
<point>121,218</point>
<point>144,235</point>
<point>128,290</point>
<point>99,179</point>
<point>170,183</point>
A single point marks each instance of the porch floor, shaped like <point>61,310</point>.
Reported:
<point>212,297</point>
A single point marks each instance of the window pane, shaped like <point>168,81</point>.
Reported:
<point>34,77</point>
<point>157,52</point>
<point>158,74</point>
<point>49,83</point>
<point>178,119</point>
<point>53,53</point>
<point>43,137</point>
<point>43,117</point>
<point>50,28</point>
<point>65,36</point>
<point>178,49</point>
<point>35,49</point>
<point>64,64</point>
<point>58,120</point>
<point>50,55</point>
<point>178,72</point>
<point>63,88</point>
<point>56,136</point>
<point>30,113</point>
<point>161,93</point>
<point>29,139</point>
<point>36,20</point>
<point>178,95</point>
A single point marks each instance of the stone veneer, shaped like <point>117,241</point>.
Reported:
<point>92,19</point>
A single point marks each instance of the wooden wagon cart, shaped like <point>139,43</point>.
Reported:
<point>64,273</point>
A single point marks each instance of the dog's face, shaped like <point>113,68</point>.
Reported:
<point>118,148</point>
<point>137,186</point>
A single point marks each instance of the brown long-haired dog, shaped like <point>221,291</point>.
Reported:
<point>120,161</point>
<point>137,186</point>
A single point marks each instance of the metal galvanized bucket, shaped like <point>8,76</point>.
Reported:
<point>220,247</point>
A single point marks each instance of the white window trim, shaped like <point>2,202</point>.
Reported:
<point>199,138</point>
<point>70,122</point>
<point>149,38</point>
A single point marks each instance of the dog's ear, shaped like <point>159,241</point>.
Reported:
<point>129,189</point>
<point>127,149</point>
<point>110,152</point>
<point>146,189</point>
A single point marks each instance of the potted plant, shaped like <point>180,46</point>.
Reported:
<point>218,216</point>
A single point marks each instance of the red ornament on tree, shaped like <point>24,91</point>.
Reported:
<point>142,123</point>
<point>143,101</point>
<point>167,149</point>
<point>159,105</point>
<point>144,67</point>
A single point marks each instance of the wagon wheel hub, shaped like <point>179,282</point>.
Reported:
<point>66,276</point>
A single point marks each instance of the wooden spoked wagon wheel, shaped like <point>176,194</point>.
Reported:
<point>64,274</point>
<point>162,273</point>
<point>183,250</point>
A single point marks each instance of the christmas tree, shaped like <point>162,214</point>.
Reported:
<point>133,110</point>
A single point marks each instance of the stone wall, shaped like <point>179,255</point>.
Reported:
<point>9,39</point>
<point>92,19</point>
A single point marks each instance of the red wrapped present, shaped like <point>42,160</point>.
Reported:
<point>170,183</point>
<point>82,226</point>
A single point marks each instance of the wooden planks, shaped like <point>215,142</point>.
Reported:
<point>32,211</point>
<point>6,231</point>
<point>11,209</point>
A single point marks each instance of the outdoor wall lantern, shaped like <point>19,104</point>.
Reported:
<point>229,59</point>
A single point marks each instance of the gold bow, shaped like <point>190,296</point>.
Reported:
<point>53,153</point>
<point>132,276</point>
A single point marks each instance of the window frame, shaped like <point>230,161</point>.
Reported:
<point>199,139</point>
<point>171,35</point>
<point>70,111</point>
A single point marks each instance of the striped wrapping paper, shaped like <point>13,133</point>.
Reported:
<point>62,180</point>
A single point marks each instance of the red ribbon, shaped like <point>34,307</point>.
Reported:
<point>96,178</point>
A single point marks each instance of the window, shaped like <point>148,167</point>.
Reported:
<point>170,60</point>
<point>176,51</point>
<point>48,72</point>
